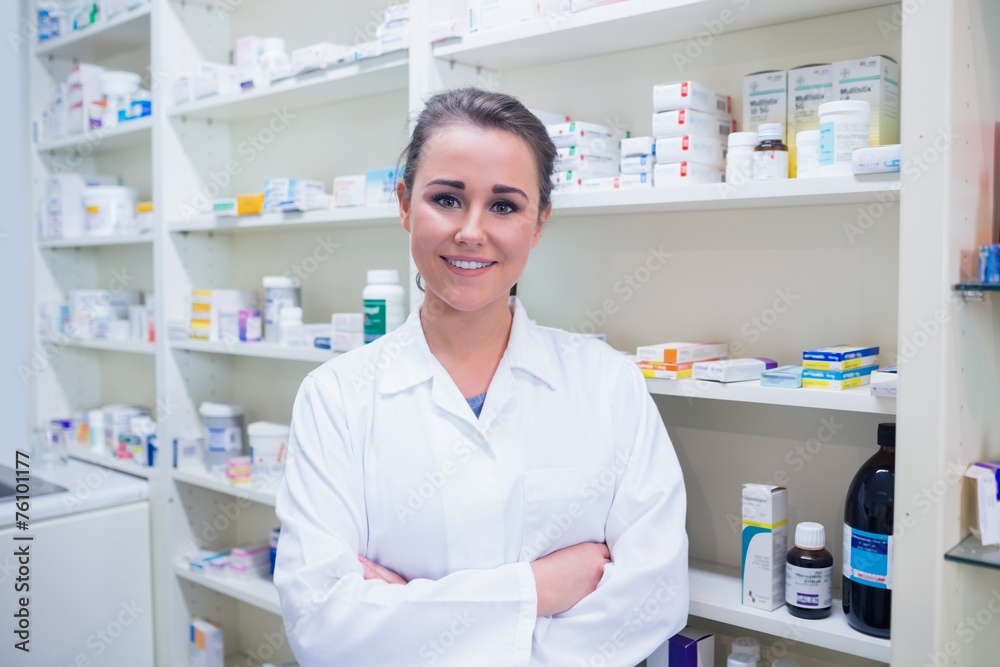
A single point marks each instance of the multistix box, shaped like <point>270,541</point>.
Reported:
<point>765,99</point>
<point>808,87</point>
<point>765,543</point>
<point>875,80</point>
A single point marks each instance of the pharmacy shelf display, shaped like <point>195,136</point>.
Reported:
<point>130,467</point>
<point>129,346</point>
<point>193,141</point>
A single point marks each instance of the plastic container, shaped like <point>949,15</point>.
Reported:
<point>118,89</point>
<point>807,154</point>
<point>268,446</point>
<point>279,292</point>
<point>383,303</point>
<point>747,646</point>
<point>867,553</point>
<point>274,61</point>
<point>223,434</point>
<point>739,158</point>
<point>290,319</point>
<point>770,157</point>
<point>809,573</point>
<point>110,210</point>
<point>740,660</point>
<point>843,127</point>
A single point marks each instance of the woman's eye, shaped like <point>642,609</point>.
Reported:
<point>447,201</point>
<point>504,208</point>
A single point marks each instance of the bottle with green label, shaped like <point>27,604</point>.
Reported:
<point>383,303</point>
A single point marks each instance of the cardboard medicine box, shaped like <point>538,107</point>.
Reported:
<point>764,545</point>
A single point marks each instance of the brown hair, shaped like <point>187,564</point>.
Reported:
<point>486,110</point>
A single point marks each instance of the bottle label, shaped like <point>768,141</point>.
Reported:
<point>375,318</point>
<point>868,557</point>
<point>810,588</point>
<point>770,165</point>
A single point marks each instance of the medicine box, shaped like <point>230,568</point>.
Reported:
<point>685,173</point>
<point>765,99</point>
<point>600,184</point>
<point>549,117</point>
<point>350,190</point>
<point>983,501</point>
<point>499,13</point>
<point>764,545</point>
<point>597,138</point>
<point>883,382</point>
<point>348,322</point>
<point>380,187</point>
<point>845,365</point>
<point>691,95</point>
<point>684,122</point>
<point>808,87</point>
<point>637,164</point>
<point>689,148</point>
<point>786,377</point>
<point>638,146</point>
<point>732,370</point>
<point>875,80</point>
<point>681,353</point>
<point>316,56</point>
<point>584,160</point>
<point>636,181</point>
<point>813,374</point>
<point>655,373</point>
<point>839,353</point>
<point>345,341</point>
<point>688,648</point>
<point>877,159</point>
<point>206,644</point>
<point>851,383</point>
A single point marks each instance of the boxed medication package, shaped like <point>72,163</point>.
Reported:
<point>691,95</point>
<point>983,501</point>
<point>637,164</point>
<point>584,160</point>
<point>765,99</point>
<point>838,354</point>
<point>638,146</point>
<point>595,137</point>
<point>733,370</point>
<point>684,122</point>
<point>350,190</point>
<point>876,81</point>
<point>765,544</point>
<point>380,187</point>
<point>206,648</point>
<point>787,377</point>
<point>687,148</point>
<point>685,173</point>
<point>877,159</point>
<point>688,648</point>
<point>883,382</point>
<point>681,353</point>
<point>808,87</point>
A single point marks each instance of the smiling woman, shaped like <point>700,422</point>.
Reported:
<point>496,492</point>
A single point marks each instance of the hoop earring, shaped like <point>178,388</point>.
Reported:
<point>420,283</point>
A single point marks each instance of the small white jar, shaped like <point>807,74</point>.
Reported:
<point>807,154</point>
<point>739,157</point>
<point>384,307</point>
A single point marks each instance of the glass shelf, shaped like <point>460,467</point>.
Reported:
<point>971,551</point>
<point>976,291</point>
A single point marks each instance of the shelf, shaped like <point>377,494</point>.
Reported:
<point>125,32</point>
<point>971,551</point>
<point>363,78</point>
<point>716,593</point>
<point>760,194</point>
<point>345,218</point>
<point>258,493</point>
<point>130,346</point>
<point>98,241</point>
<point>259,350</point>
<point>258,591</point>
<point>858,399</point>
<point>627,25</point>
<point>976,291</point>
<point>128,135</point>
<point>106,460</point>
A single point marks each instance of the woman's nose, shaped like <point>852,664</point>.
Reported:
<point>471,231</point>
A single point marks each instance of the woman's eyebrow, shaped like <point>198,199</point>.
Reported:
<point>458,185</point>
<point>509,189</point>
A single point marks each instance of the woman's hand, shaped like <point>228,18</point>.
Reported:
<point>565,577</point>
<point>375,571</point>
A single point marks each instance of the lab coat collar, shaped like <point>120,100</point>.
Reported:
<point>414,363</point>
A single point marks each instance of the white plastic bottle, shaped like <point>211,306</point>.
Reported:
<point>744,648</point>
<point>739,158</point>
<point>770,158</point>
<point>383,303</point>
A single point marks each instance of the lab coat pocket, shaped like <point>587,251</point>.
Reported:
<point>564,507</point>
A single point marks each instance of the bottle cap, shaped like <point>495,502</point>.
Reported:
<point>810,535</point>
<point>742,139</point>
<point>807,137</point>
<point>771,131</point>
<point>383,277</point>
<point>887,435</point>
<point>740,660</point>
<point>841,106</point>
<point>281,282</point>
<point>746,646</point>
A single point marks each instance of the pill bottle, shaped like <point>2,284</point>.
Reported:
<point>843,127</point>
<point>383,303</point>
<point>807,154</point>
<point>739,157</point>
<point>748,647</point>
<point>223,433</point>
<point>809,573</point>
<point>740,660</point>
<point>289,324</point>
<point>770,157</point>
<point>279,292</point>
<point>274,62</point>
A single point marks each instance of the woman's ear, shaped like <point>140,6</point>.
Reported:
<point>403,195</point>
<point>543,219</point>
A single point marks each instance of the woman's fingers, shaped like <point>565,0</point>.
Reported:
<point>375,571</point>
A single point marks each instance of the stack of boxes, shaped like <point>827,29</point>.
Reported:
<point>690,125</point>
<point>839,367</point>
<point>675,361</point>
<point>348,331</point>
<point>588,156</point>
<point>294,194</point>
<point>215,314</point>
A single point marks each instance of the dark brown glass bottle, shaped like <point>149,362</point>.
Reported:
<point>868,522</point>
<point>809,573</point>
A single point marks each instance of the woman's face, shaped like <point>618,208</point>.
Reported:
<point>473,214</point>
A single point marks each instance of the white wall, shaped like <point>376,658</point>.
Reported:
<point>13,233</point>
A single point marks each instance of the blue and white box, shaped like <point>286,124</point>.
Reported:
<point>838,376</point>
<point>764,545</point>
<point>380,187</point>
<point>839,353</point>
<point>690,647</point>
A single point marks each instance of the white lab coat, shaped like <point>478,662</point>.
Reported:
<point>387,459</point>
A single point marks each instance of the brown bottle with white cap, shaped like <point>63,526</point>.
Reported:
<point>809,573</point>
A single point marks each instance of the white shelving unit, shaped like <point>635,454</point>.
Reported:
<point>130,346</point>
<point>731,251</point>
<point>108,461</point>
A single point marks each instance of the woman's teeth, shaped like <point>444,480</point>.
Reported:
<point>468,265</point>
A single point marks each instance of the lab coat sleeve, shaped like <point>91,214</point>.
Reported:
<point>332,615</point>
<point>642,598</point>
